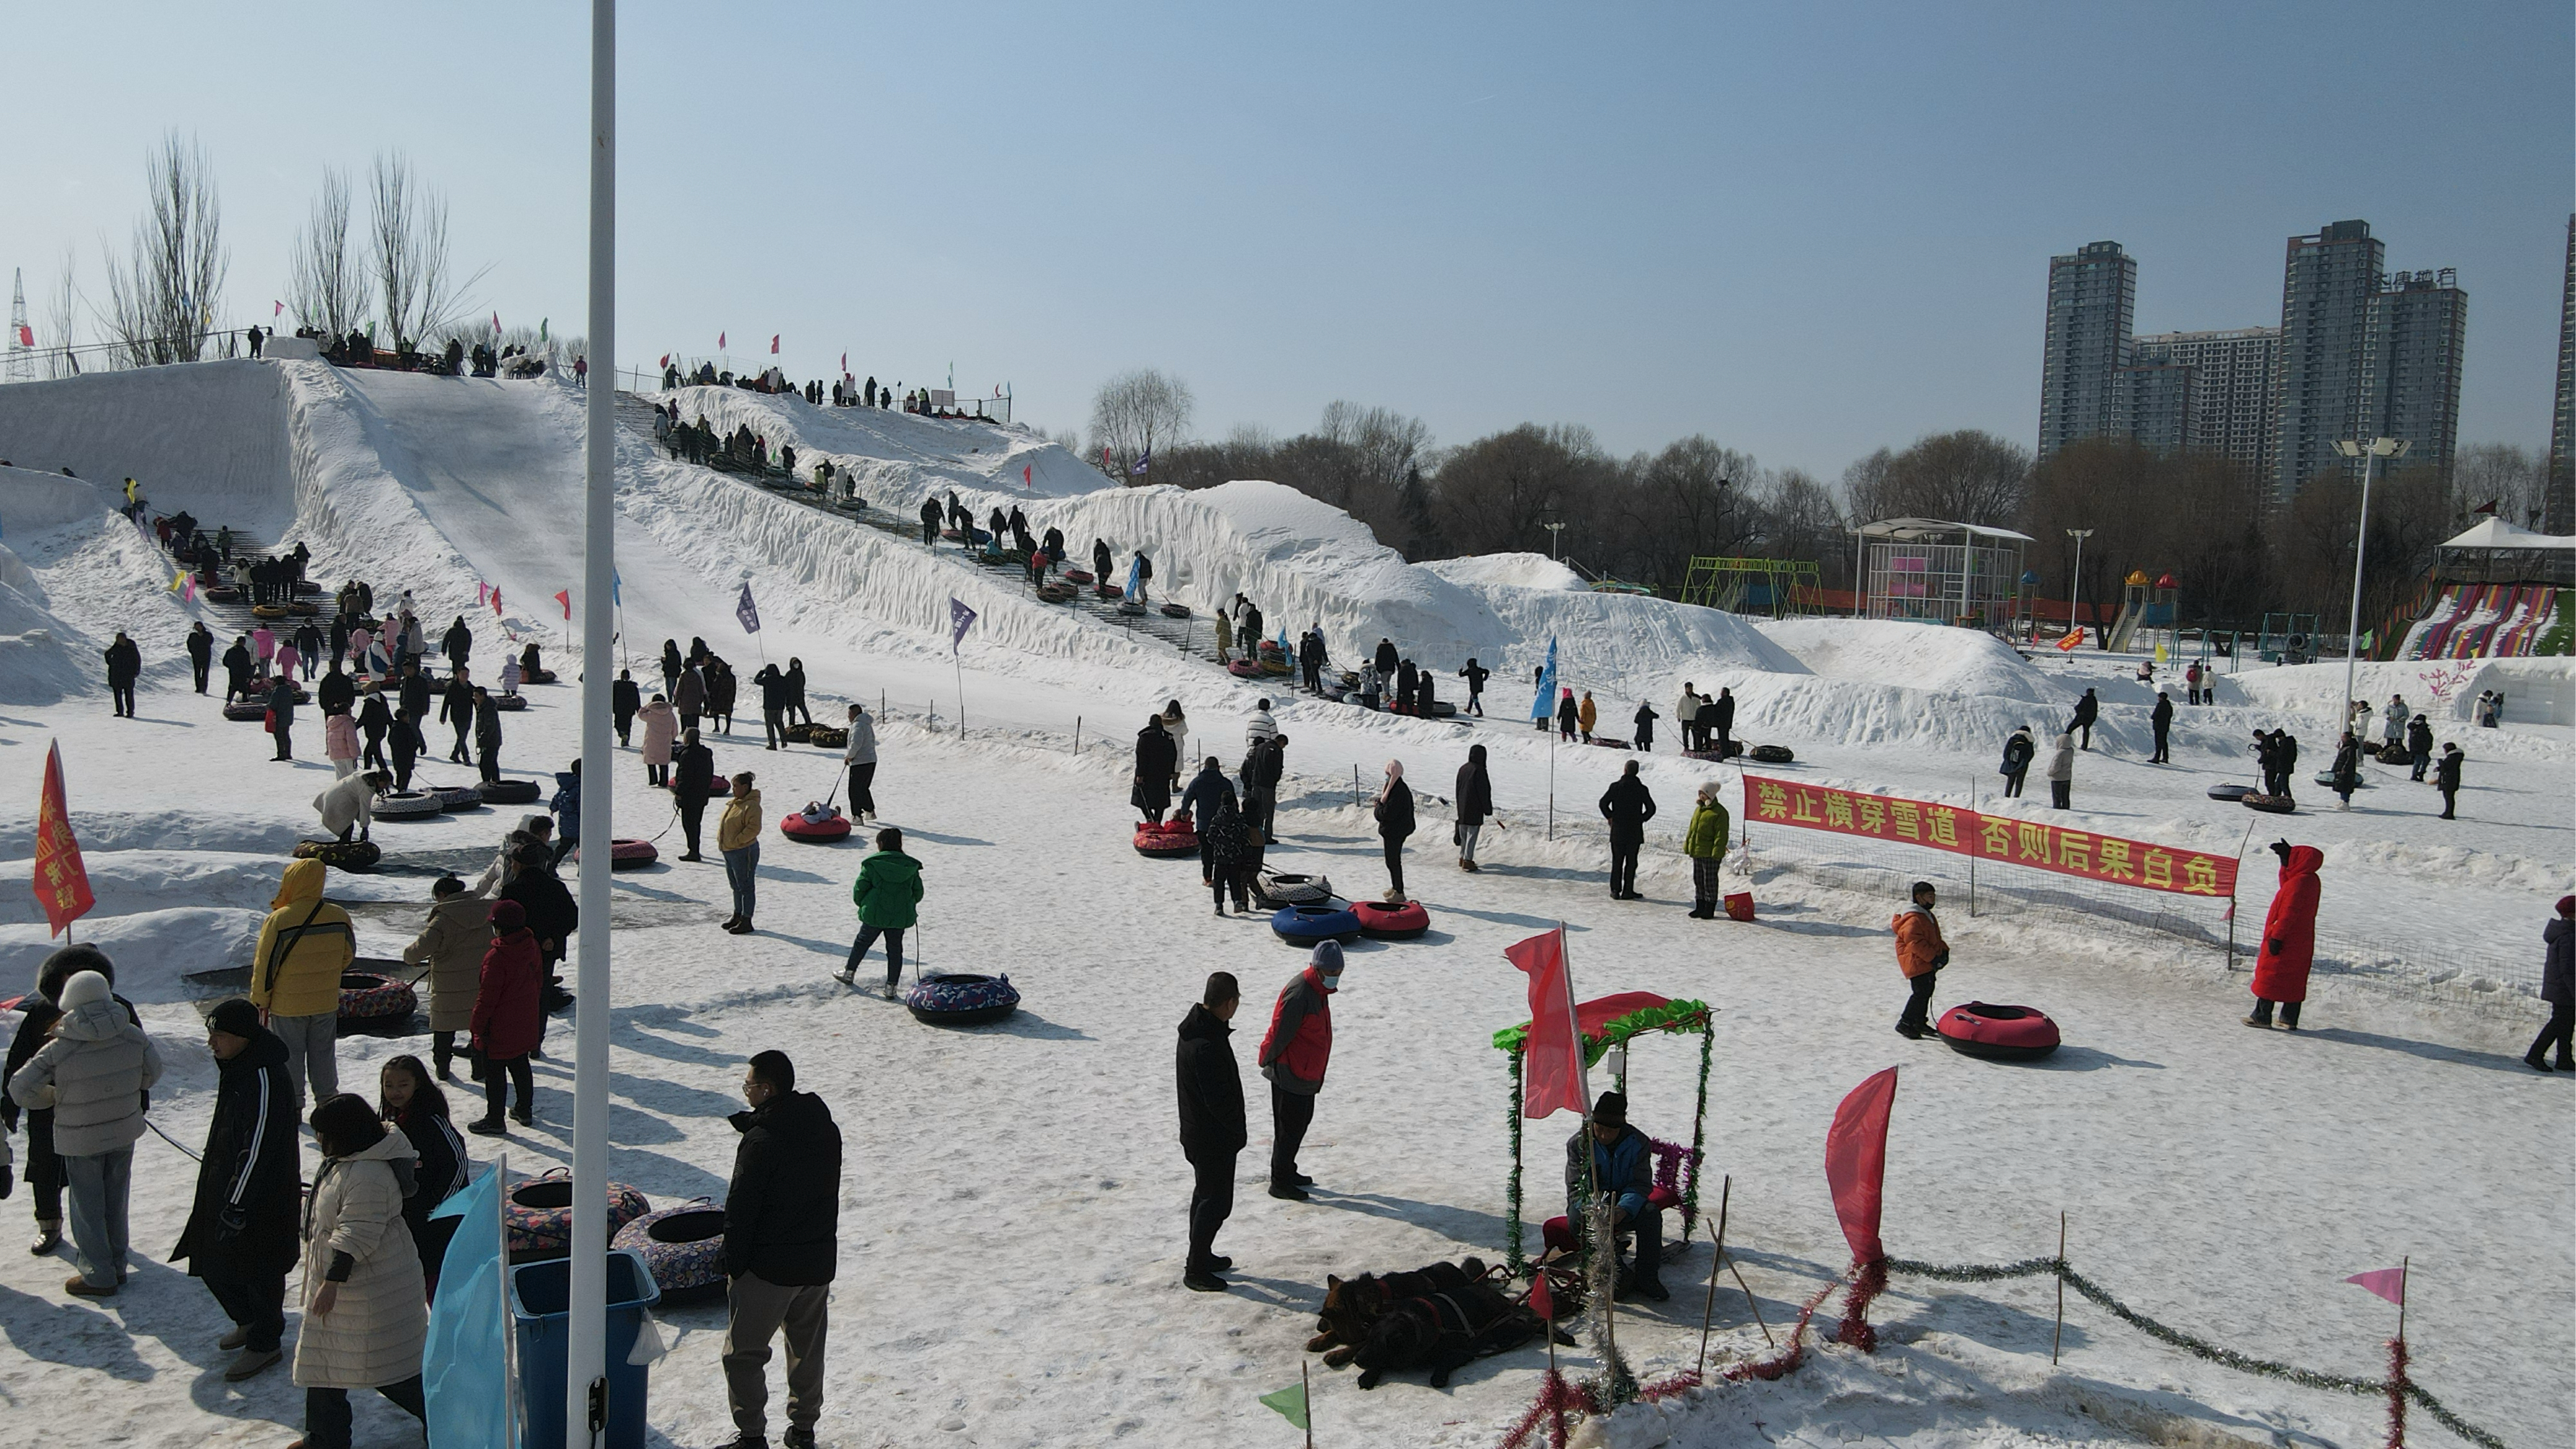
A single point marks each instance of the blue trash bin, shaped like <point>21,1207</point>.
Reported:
<point>540,1304</point>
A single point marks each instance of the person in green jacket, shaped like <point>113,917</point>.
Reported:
<point>888,887</point>
<point>1705,844</point>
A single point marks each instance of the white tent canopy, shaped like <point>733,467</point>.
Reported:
<point>2496,533</point>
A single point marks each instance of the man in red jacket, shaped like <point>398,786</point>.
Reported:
<point>2289,937</point>
<point>507,1021</point>
<point>1293,1056</point>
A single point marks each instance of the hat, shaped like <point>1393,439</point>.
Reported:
<point>86,987</point>
<point>1611,1108</point>
<point>2567,905</point>
<point>1326,957</point>
<point>508,916</point>
<point>235,1017</point>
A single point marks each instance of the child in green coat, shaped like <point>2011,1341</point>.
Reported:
<point>1705,844</point>
<point>888,887</point>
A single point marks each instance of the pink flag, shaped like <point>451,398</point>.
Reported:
<point>482,593</point>
<point>773,344</point>
<point>496,324</point>
<point>188,590</point>
<point>1553,1076</point>
<point>564,597</point>
<point>278,310</point>
<point>1856,1162</point>
<point>845,363</point>
<point>720,337</point>
<point>2388,1283</point>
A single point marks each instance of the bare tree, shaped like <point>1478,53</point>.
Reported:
<point>2513,480</point>
<point>62,321</point>
<point>1136,412</point>
<point>326,286</point>
<point>417,294</point>
<point>161,298</point>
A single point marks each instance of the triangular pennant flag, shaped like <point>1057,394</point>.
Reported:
<point>1291,1404</point>
<point>482,593</point>
<point>1541,1301</point>
<point>720,337</point>
<point>564,597</point>
<point>2388,1283</point>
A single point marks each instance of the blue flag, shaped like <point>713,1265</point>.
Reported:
<point>747,612</point>
<point>960,618</point>
<point>465,1360</point>
<point>616,589</point>
<point>1545,704</point>
<point>1136,577</point>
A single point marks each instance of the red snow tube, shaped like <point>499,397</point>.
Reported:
<point>795,826</point>
<point>1383,922</point>
<point>1169,841</point>
<point>1999,1033</point>
<point>1077,576</point>
<point>1244,669</point>
<point>720,788</point>
<point>631,854</point>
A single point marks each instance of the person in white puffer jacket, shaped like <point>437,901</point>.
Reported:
<point>366,1316</point>
<point>93,1075</point>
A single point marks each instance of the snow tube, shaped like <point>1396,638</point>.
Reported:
<point>539,676</point>
<point>407,805</point>
<point>1382,922</point>
<point>800,733</point>
<point>1243,669</point>
<point>1130,606</point>
<point>1275,889</point>
<point>1109,591</point>
<point>962,1000</point>
<point>1773,754</point>
<point>366,996</point>
<point>223,594</point>
<point>720,788</point>
<point>828,737</point>
<point>2269,804</point>
<point>627,854</point>
<point>682,1247</point>
<point>2360,781</point>
<point>252,713</point>
<point>538,1214</point>
<point>1056,593</point>
<point>1078,576</point>
<point>340,854</point>
<point>1305,925</point>
<point>303,610</point>
<point>1176,611</point>
<point>1999,1033</point>
<point>1171,840</point>
<point>509,703</point>
<point>1608,743</point>
<point>1443,709</point>
<point>508,792</point>
<point>268,611</point>
<point>795,826</point>
<point>460,797</point>
<point>2230,792</point>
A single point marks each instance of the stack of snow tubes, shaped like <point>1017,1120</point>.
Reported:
<point>1306,925</point>
<point>1171,840</point>
<point>538,1215</point>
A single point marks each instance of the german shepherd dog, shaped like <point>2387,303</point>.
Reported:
<point>1443,1332</point>
<point>1352,1305</point>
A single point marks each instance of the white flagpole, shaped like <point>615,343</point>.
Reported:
<point>586,1358</point>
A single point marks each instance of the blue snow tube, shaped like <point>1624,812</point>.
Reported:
<point>1305,925</point>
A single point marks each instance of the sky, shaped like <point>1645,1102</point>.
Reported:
<point>1806,231</point>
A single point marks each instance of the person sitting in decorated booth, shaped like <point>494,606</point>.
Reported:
<point>1622,1164</point>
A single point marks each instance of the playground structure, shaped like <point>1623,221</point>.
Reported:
<point>2494,592</point>
<point>2144,605</point>
<point>2287,639</point>
<point>1773,586</point>
<point>1943,573</point>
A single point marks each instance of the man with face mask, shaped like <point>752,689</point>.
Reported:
<point>1293,1056</point>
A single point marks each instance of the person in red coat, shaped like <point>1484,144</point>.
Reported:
<point>1294,1054</point>
<point>2289,937</point>
<point>507,1021</point>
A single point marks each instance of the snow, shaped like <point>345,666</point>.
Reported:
<point>1013,1202</point>
<point>1519,570</point>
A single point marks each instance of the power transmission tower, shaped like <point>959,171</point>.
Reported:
<point>22,356</point>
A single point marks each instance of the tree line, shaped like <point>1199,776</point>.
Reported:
<point>1643,517</point>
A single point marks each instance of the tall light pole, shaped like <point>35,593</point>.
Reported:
<point>2079,535</point>
<point>586,1338</point>
<point>2369,453</point>
<point>1555,537</point>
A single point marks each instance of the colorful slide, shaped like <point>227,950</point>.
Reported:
<point>2482,621</point>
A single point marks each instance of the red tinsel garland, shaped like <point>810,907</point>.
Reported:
<point>2397,1393</point>
<point>1868,1281</point>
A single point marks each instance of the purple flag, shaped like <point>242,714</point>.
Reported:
<point>2388,1283</point>
<point>960,619</point>
<point>1142,459</point>
<point>747,612</point>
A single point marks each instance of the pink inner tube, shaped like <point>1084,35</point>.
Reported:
<point>1391,922</point>
<point>795,826</point>
<point>1243,669</point>
<point>2005,1033</point>
<point>1171,839</point>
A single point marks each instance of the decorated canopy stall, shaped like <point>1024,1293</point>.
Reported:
<point>1608,1023</point>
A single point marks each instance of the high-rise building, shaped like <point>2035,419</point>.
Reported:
<point>2228,394</point>
<point>2327,284</point>
<point>2152,400</point>
<point>2092,300</point>
<point>2558,509</point>
<point>2410,366</point>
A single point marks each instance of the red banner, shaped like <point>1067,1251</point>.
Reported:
<point>1554,1051</point>
<point>2004,839</point>
<point>1856,1162</point>
<point>62,885</point>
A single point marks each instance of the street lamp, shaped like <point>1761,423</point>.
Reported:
<point>2369,453</point>
<point>2079,535</point>
<point>1555,537</point>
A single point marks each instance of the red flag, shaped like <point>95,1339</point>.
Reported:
<point>665,362</point>
<point>720,342</point>
<point>61,884</point>
<point>564,597</point>
<point>2488,508</point>
<point>1028,476</point>
<point>496,599</point>
<point>26,335</point>
<point>1552,1056</point>
<point>1542,1302</point>
<point>1856,1162</point>
<point>2072,640</point>
<point>2388,1283</point>
<point>845,363</point>
<point>773,344</point>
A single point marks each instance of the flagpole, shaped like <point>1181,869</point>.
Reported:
<point>1708,1311</point>
<point>586,1346</point>
<point>1306,1386</point>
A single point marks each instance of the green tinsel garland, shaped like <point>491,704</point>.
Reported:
<point>1517,1261</point>
<point>1699,1135</point>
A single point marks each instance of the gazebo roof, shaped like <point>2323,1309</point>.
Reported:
<point>2495,533</point>
<point>1932,530</point>
<point>1608,1021</point>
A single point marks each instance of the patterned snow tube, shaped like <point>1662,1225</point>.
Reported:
<point>1171,840</point>
<point>1176,611</point>
<point>303,610</point>
<point>1243,669</point>
<point>1382,922</point>
<point>509,703</point>
<point>2230,792</point>
<point>268,611</point>
<point>2270,804</point>
<point>800,733</point>
<point>1773,754</point>
<point>1305,925</point>
<point>538,1215</point>
<point>508,792</point>
<point>828,737</point>
<point>459,797</point>
<point>250,713</point>
<point>1999,1033</point>
<point>340,854</point>
<point>1275,889</point>
<point>407,805</point>
<point>794,825</point>
<point>367,996</point>
<point>683,1247</point>
<point>962,1000</point>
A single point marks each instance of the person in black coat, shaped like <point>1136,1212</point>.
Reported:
<point>2087,710</point>
<point>238,670</point>
<point>457,644</point>
<point>243,1233</point>
<point>456,709</point>
<point>781,1243</point>
<point>1157,759</point>
<point>375,717</point>
<point>693,779</point>
<point>1385,658</point>
<point>1100,560</point>
<point>201,652</point>
<point>2446,778</point>
<point>2419,744</point>
<point>336,693</point>
<point>1724,704</point>
<point>409,1101</point>
<point>625,698</point>
<point>1475,674</point>
<point>487,735</point>
<point>1627,805</point>
<point>404,735</point>
<point>1568,719</point>
<point>2161,720</point>
<point>1200,803</point>
<point>773,702</point>
<point>1212,1124</point>
<point>124,666</point>
<point>2019,751</point>
<point>1645,721</point>
<point>671,667</point>
<point>2557,987</point>
<point>281,709</point>
<point>1394,811</point>
<point>797,713</point>
<point>552,914</point>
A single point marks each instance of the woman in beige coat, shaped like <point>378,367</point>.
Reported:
<point>365,1314</point>
<point>451,946</point>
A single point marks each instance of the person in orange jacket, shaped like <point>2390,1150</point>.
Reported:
<point>1920,953</point>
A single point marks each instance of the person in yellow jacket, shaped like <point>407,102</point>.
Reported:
<point>1920,954</point>
<point>738,836</point>
<point>304,945</point>
<point>1588,716</point>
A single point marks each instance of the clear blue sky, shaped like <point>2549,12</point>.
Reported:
<point>1806,230</point>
